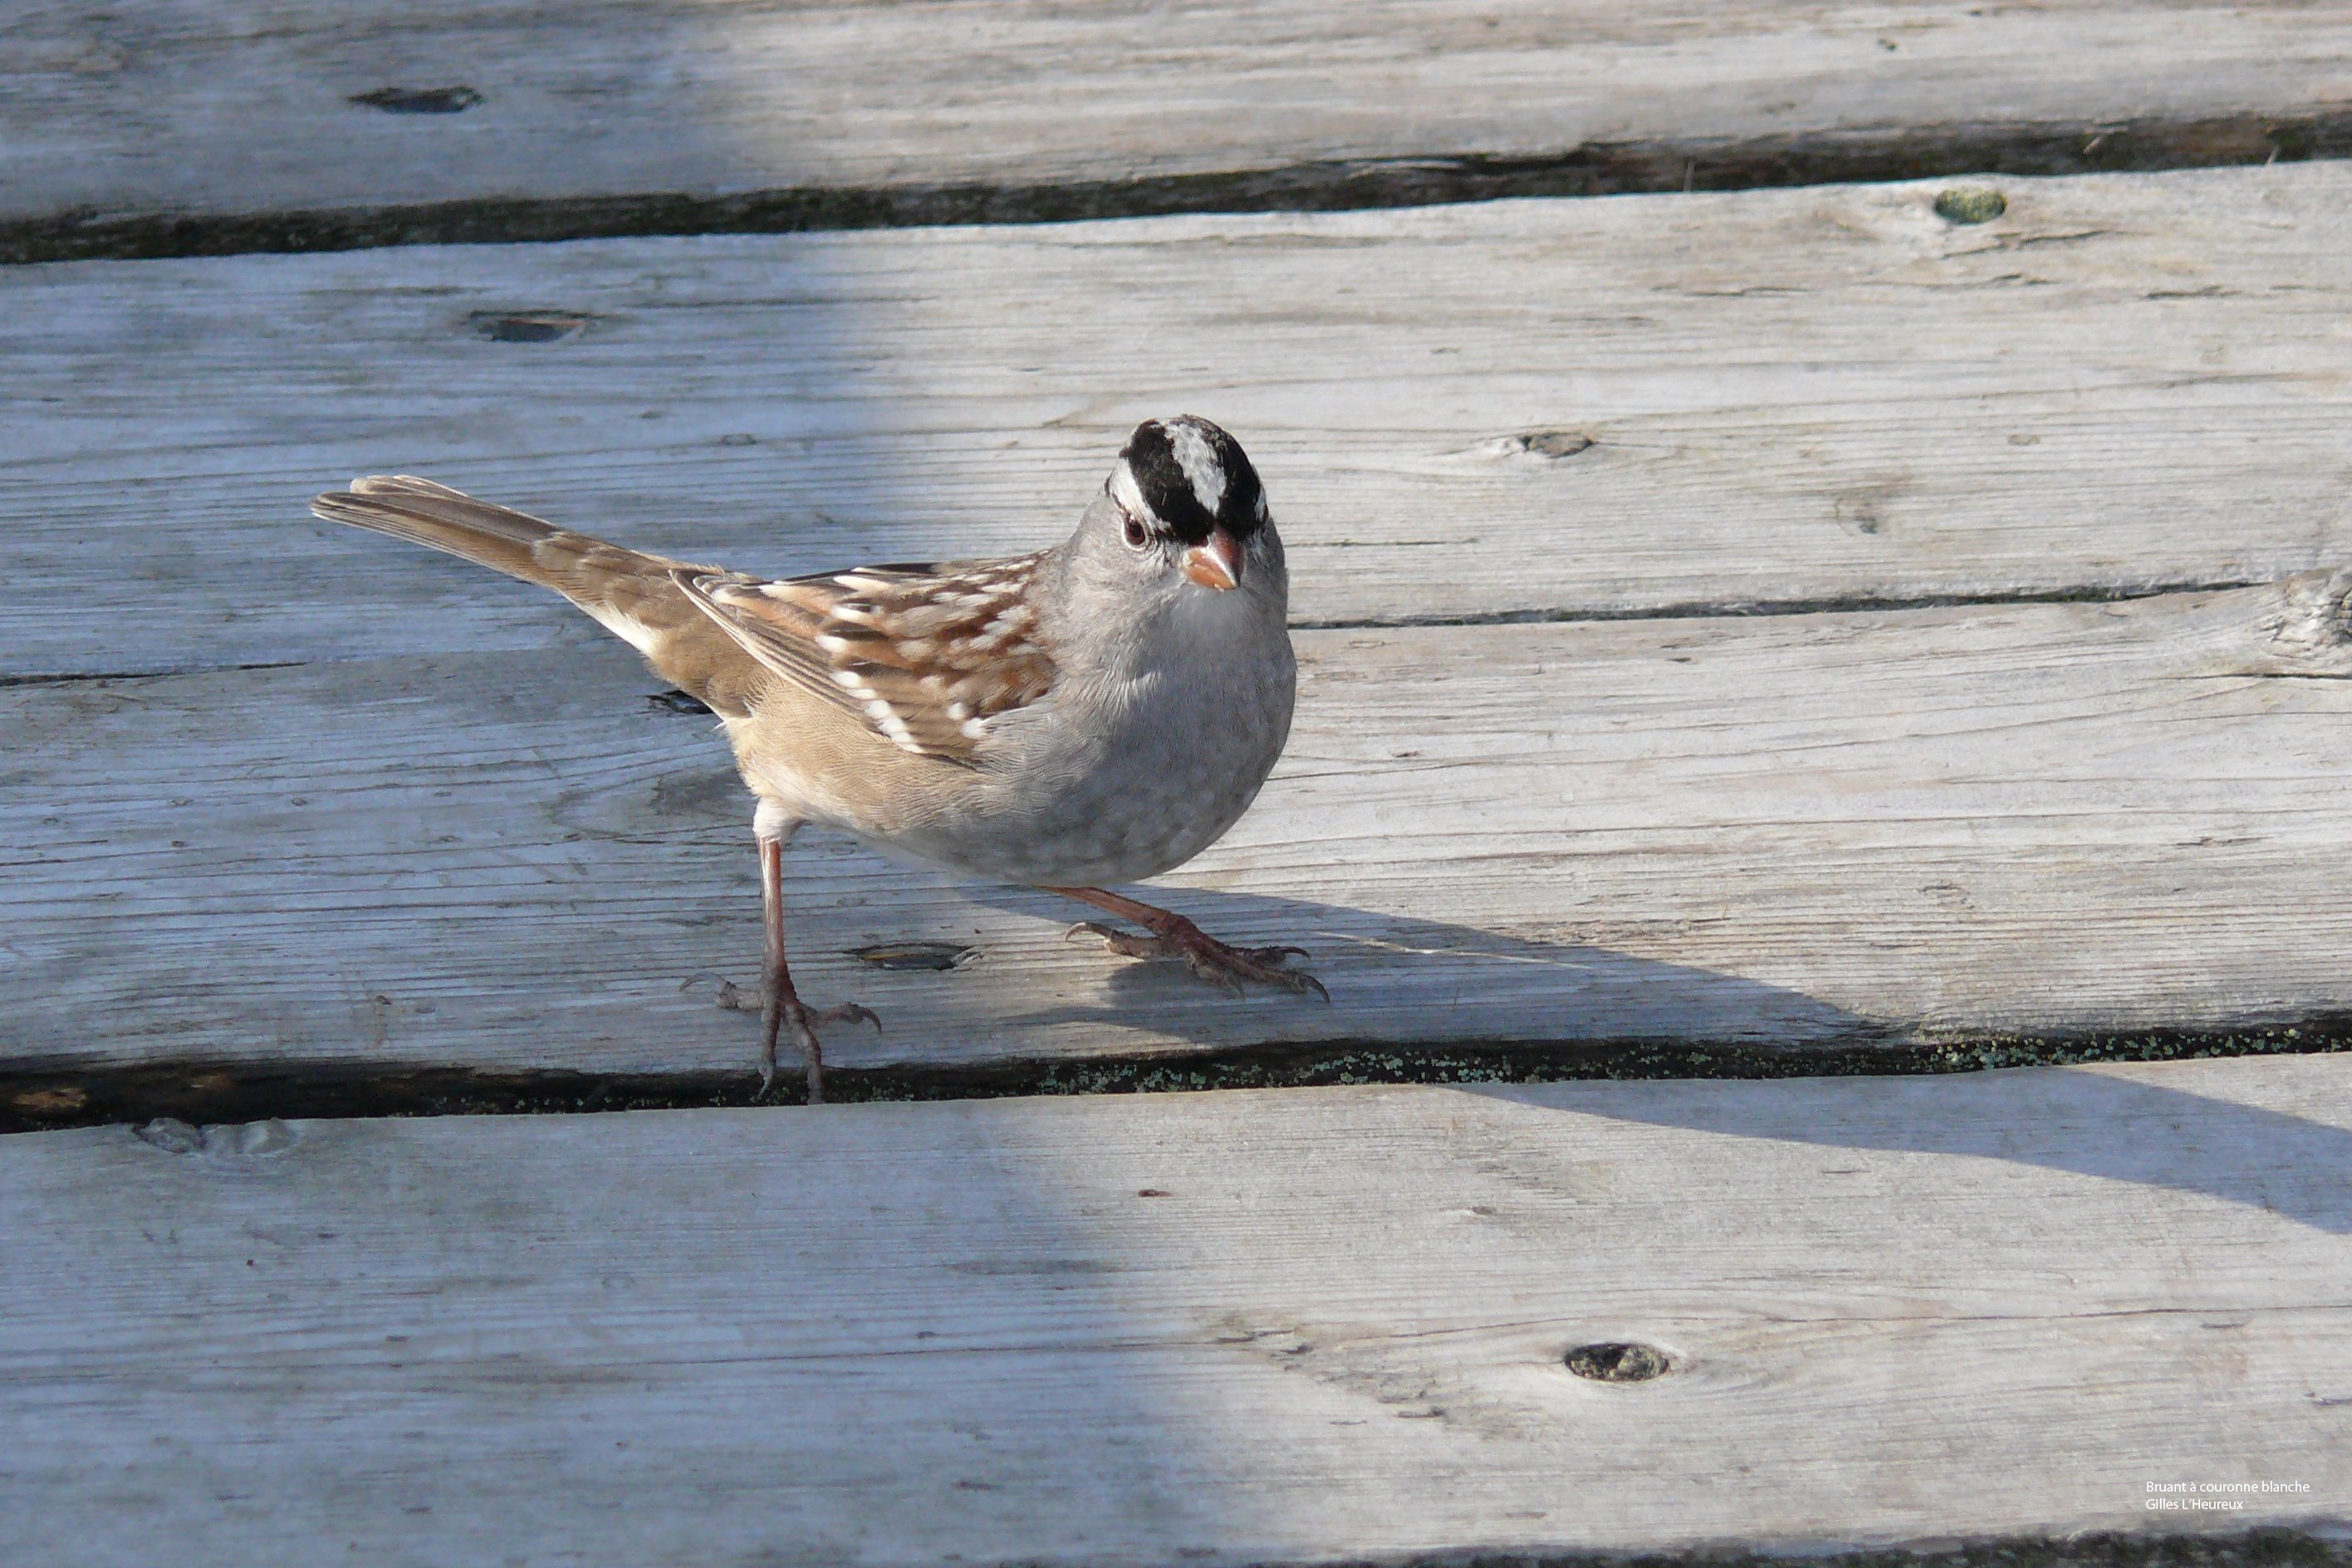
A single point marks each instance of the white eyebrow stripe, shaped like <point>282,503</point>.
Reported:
<point>1198,462</point>
<point>1127,493</point>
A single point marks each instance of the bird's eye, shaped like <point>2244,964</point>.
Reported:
<point>1136,536</point>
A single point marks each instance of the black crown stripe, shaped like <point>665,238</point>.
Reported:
<point>1150,456</point>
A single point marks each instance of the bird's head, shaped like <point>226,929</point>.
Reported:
<point>1188,503</point>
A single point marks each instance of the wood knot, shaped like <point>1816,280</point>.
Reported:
<point>172,1135</point>
<point>2307,629</point>
<point>1618,1361</point>
<point>1553,443</point>
<point>176,1136</point>
<point>1541,446</point>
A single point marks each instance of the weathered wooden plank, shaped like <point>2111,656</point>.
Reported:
<point>1807,397</point>
<point>193,110</point>
<point>1808,829</point>
<point>1306,1326</point>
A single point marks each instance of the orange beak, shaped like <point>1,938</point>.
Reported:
<point>1216,563</point>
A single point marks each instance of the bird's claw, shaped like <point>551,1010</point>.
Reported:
<point>801,1019</point>
<point>846,1012</point>
<point>1215,961</point>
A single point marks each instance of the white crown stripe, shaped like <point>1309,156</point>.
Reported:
<point>1198,458</point>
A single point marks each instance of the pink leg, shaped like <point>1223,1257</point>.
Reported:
<point>782,1004</point>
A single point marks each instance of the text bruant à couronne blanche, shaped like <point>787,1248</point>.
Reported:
<point>2219,1496</point>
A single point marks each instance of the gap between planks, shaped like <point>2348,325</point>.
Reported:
<point>1682,846</point>
<point>237,1092</point>
<point>1598,168</point>
<point>306,125</point>
<point>1755,610</point>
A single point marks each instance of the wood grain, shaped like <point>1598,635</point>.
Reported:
<point>1815,397</point>
<point>1805,830</point>
<point>188,108</point>
<point>1322,1325</point>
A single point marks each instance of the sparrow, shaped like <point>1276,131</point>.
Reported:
<point>1099,711</point>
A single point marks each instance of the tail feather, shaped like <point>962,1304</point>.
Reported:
<point>629,592</point>
<point>435,515</point>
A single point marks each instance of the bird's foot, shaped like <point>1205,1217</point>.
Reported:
<point>802,1020</point>
<point>1218,963</point>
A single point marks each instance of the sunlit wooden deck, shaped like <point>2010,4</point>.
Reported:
<point>1751,628</point>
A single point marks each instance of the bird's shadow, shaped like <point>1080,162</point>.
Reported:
<point>1415,985</point>
<point>1419,981</point>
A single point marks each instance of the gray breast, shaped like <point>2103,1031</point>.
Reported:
<point>1116,780</point>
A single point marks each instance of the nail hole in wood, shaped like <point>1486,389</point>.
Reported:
<point>1970,203</point>
<point>1152,1192</point>
<point>525,326</point>
<point>1618,1361</point>
<point>416,101</point>
<point>918,955</point>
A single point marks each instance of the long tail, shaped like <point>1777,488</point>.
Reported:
<point>425,513</point>
<point>629,592</point>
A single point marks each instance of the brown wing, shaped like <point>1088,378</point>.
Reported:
<point>926,656</point>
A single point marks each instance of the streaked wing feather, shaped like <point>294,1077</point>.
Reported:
<point>925,656</point>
